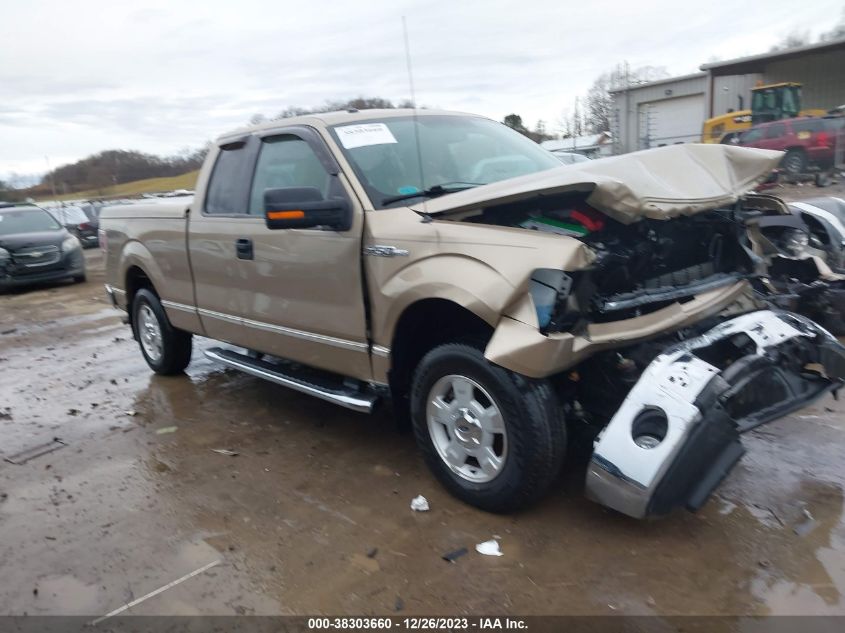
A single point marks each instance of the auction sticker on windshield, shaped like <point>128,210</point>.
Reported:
<point>352,136</point>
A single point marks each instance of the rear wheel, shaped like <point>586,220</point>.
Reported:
<point>494,439</point>
<point>78,279</point>
<point>166,349</point>
<point>795,162</point>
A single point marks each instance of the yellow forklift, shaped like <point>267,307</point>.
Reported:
<point>769,102</point>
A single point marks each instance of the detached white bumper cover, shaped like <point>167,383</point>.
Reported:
<point>676,435</point>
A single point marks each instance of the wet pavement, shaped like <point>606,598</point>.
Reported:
<point>312,516</point>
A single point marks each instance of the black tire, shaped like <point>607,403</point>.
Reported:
<point>533,421</point>
<point>176,344</point>
<point>79,279</point>
<point>794,163</point>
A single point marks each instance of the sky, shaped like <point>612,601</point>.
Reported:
<point>82,76</point>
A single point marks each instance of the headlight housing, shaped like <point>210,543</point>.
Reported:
<point>71,243</point>
<point>795,242</point>
<point>547,288</point>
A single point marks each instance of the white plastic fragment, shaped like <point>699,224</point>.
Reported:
<point>420,504</point>
<point>489,548</point>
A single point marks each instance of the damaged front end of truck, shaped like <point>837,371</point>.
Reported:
<point>677,432</point>
<point>658,342</point>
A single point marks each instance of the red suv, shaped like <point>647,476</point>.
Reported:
<point>816,141</point>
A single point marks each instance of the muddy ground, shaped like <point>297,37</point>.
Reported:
<point>312,516</point>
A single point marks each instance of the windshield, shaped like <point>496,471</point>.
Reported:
<point>456,151</point>
<point>14,221</point>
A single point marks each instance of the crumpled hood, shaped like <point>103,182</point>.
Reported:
<point>656,183</point>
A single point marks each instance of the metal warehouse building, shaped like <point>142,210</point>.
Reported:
<point>672,110</point>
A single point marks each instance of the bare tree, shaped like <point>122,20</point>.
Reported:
<point>333,105</point>
<point>514,121</point>
<point>540,131</point>
<point>836,32</point>
<point>793,39</point>
<point>598,104</point>
<point>292,111</point>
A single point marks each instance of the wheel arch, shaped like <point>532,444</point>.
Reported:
<point>422,326</point>
<point>139,270</point>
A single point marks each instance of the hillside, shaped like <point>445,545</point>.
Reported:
<point>148,185</point>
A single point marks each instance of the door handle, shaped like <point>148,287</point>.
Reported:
<point>243,247</point>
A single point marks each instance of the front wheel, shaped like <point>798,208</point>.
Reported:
<point>494,439</point>
<point>166,349</point>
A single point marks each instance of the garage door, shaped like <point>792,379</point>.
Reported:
<point>671,121</point>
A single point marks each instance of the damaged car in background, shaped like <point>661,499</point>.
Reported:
<point>804,249</point>
<point>502,302</point>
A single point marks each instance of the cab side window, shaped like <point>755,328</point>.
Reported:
<point>227,189</point>
<point>286,161</point>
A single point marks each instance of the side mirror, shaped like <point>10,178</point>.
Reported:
<point>304,208</point>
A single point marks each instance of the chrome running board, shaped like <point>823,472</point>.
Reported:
<point>336,393</point>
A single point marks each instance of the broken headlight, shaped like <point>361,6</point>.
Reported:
<point>548,287</point>
<point>795,242</point>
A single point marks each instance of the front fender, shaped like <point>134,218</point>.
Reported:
<point>468,282</point>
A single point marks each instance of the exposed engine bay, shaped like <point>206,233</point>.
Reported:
<point>641,267</point>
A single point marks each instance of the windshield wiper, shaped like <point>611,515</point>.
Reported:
<point>433,191</point>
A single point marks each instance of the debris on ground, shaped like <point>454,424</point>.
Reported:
<point>806,526</point>
<point>450,557</point>
<point>420,504</point>
<point>27,454</point>
<point>371,553</point>
<point>73,412</point>
<point>399,604</point>
<point>223,451</point>
<point>154,593</point>
<point>365,564</point>
<point>131,413</point>
<point>166,429</point>
<point>489,548</point>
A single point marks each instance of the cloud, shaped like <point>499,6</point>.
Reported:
<point>156,75</point>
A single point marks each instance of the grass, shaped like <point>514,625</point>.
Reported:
<point>150,185</point>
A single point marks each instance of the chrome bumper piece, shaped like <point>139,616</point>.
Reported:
<point>703,393</point>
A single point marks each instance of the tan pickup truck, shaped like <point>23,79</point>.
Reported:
<point>500,300</point>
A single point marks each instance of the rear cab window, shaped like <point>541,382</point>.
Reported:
<point>230,179</point>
